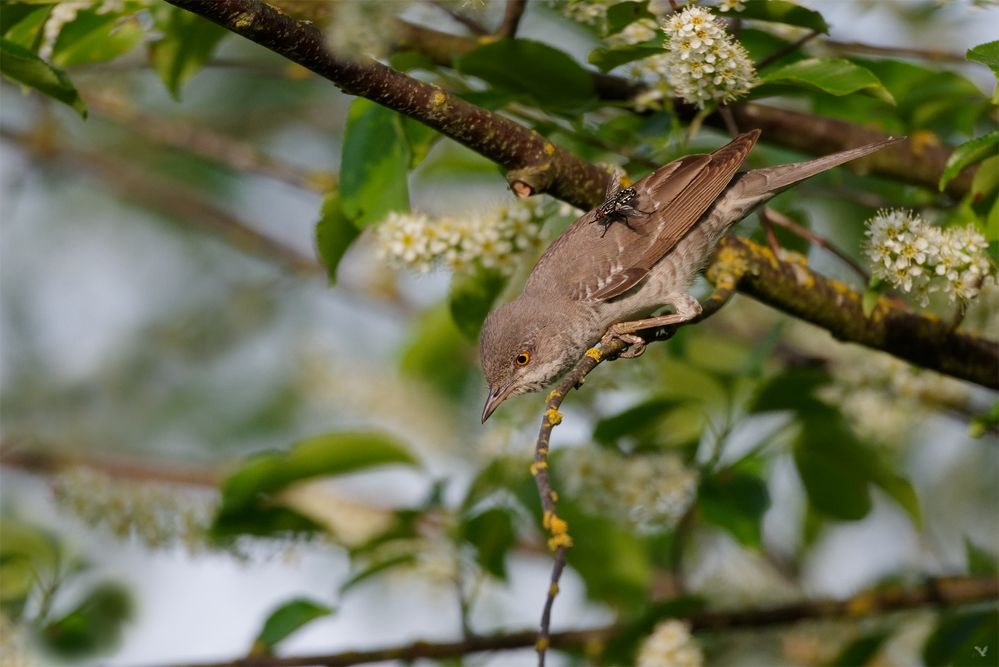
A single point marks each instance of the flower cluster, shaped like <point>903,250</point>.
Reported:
<point>915,256</point>
<point>670,645</point>
<point>705,62</point>
<point>650,491</point>
<point>494,240</point>
<point>154,514</point>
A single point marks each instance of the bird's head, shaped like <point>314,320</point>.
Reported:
<point>523,347</point>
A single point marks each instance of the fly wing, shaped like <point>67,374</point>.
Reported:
<point>590,262</point>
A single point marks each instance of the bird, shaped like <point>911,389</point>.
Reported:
<point>605,280</point>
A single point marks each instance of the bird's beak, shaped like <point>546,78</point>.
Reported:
<point>496,396</point>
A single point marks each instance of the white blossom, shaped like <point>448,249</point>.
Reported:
<point>494,240</point>
<point>649,491</point>
<point>915,256</point>
<point>705,63</point>
<point>363,28</point>
<point>670,645</point>
<point>731,6</point>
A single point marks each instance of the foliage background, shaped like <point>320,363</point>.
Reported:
<point>164,317</point>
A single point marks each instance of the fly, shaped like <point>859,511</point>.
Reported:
<point>618,208</point>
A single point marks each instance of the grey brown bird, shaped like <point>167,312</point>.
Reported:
<point>607,279</point>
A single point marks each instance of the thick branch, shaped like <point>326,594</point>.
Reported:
<point>795,289</point>
<point>942,592</point>
<point>536,164</point>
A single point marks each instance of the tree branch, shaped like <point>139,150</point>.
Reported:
<point>511,18</point>
<point>942,592</point>
<point>921,339</point>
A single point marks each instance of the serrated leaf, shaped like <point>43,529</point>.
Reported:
<point>781,11</point>
<point>374,166</point>
<point>968,154</point>
<point>95,38</point>
<point>285,621</point>
<point>492,535</point>
<point>546,76</point>
<point>834,76</point>
<point>606,59</point>
<point>334,234</point>
<point>987,54</point>
<point>252,485</point>
<point>22,66</point>
<point>187,44</point>
<point>471,298</point>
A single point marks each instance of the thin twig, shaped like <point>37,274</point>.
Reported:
<point>559,541</point>
<point>936,55</point>
<point>781,220</point>
<point>786,49</point>
<point>942,592</point>
<point>473,26</point>
<point>511,18</point>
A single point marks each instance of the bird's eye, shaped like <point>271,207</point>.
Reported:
<point>523,358</point>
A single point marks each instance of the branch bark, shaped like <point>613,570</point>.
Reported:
<point>942,592</point>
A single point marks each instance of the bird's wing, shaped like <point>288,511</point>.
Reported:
<point>590,263</point>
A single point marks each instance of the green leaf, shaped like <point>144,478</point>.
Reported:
<point>781,11</point>
<point>334,234</point>
<point>377,567</point>
<point>187,44</point>
<point>735,501</point>
<point>96,38</point>
<point>549,78</point>
<point>94,626</point>
<point>251,486</point>
<point>492,535</point>
<point>968,154</point>
<point>420,138</point>
<point>829,75</point>
<point>21,65</point>
<point>980,562</point>
<point>793,389</point>
<point>964,639</point>
<point>471,298</point>
<point>983,422</point>
<point>606,59</point>
<point>12,13</point>
<point>623,14</point>
<point>986,178</point>
<point>438,354</point>
<point>285,621</point>
<point>833,470</point>
<point>987,54</point>
<point>861,651</point>
<point>872,294</point>
<point>374,167</point>
<point>634,421</point>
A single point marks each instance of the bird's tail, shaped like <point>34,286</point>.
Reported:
<point>767,182</point>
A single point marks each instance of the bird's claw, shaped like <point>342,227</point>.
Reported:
<point>636,344</point>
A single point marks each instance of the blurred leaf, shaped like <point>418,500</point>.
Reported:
<point>606,59</point>
<point>93,627</point>
<point>437,353</point>
<point>833,469</point>
<point>963,639</point>
<point>899,489</point>
<point>623,14</point>
<point>504,476</point>
<point>987,54</point>
<point>187,44</point>
<point>376,567</point>
<point>986,179</point>
<point>793,389</point>
<point>334,234</point>
<point>249,489</point>
<point>860,652</point>
<point>633,421</point>
<point>17,579</point>
<point>968,154</point>
<point>623,645</point>
<point>829,75</point>
<point>420,138</point>
<point>872,294</point>
<point>471,298</point>
<point>285,620</point>
<point>374,167</point>
<point>22,66</point>
<point>684,380</point>
<point>980,562</point>
<point>492,535</point>
<point>982,423</point>
<point>550,78</point>
<point>782,11</point>
<point>13,13</point>
<point>735,501</point>
<point>96,38</point>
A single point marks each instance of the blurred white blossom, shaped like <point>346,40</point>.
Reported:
<point>15,644</point>
<point>731,6</point>
<point>670,645</point>
<point>651,491</point>
<point>64,13</point>
<point>494,240</point>
<point>705,62</point>
<point>915,256</point>
<point>363,28</point>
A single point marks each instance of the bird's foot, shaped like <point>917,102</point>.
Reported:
<point>636,344</point>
